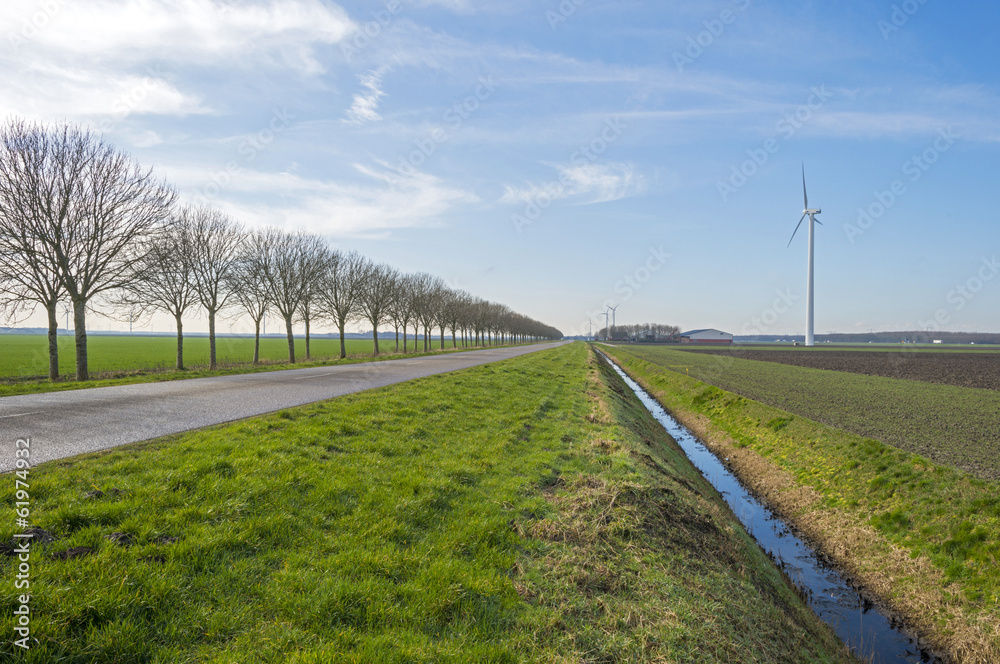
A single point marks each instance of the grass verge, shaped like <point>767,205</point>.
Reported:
<point>525,511</point>
<point>924,537</point>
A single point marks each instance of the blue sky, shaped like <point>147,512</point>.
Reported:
<point>563,156</point>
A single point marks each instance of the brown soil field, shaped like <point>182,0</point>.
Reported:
<point>975,369</point>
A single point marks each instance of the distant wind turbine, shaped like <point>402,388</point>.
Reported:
<point>810,337</point>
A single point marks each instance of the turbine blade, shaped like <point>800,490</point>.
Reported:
<point>805,196</point>
<point>795,231</point>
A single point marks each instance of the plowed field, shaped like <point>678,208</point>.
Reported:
<point>976,369</point>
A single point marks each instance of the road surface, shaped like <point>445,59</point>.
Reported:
<point>64,424</point>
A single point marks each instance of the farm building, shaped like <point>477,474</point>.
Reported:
<point>709,336</point>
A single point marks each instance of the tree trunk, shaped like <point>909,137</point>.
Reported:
<point>397,338</point>
<point>454,342</point>
<point>180,342</point>
<point>291,339</point>
<point>404,339</point>
<point>442,337</point>
<point>307,337</point>
<point>256,342</point>
<point>343,346</point>
<point>53,340</point>
<point>375,336</point>
<point>211,340</point>
<point>80,321</point>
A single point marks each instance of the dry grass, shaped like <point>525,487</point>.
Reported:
<point>640,561</point>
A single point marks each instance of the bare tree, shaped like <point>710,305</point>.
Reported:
<point>112,208</point>
<point>248,282</point>
<point>289,272</point>
<point>340,290</point>
<point>316,260</point>
<point>401,307</point>
<point>442,297</point>
<point>164,279</point>
<point>40,181</point>
<point>426,301</point>
<point>377,291</point>
<point>453,312</point>
<point>215,250</point>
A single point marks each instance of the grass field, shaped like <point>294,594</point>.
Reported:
<point>950,425</point>
<point>28,355</point>
<point>525,511</point>
<point>925,537</point>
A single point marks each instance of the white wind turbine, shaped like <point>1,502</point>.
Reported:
<point>810,337</point>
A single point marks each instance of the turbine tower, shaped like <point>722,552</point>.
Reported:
<point>614,316</point>
<point>810,337</point>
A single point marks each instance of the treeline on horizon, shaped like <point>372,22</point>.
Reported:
<point>641,333</point>
<point>885,337</point>
<point>81,221</point>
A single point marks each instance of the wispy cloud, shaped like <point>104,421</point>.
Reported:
<point>378,201</point>
<point>365,105</point>
<point>587,183</point>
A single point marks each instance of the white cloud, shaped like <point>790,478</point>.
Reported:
<point>43,91</point>
<point>378,201</point>
<point>207,32</point>
<point>590,183</point>
<point>365,105</point>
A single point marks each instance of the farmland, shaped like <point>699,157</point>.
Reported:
<point>922,536</point>
<point>542,517</point>
<point>956,426</point>
<point>27,355</point>
<point>979,369</point>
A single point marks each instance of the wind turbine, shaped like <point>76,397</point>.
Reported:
<point>614,316</point>
<point>807,212</point>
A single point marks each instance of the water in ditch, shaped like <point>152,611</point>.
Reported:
<point>868,632</point>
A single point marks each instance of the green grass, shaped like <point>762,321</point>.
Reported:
<point>956,426</point>
<point>931,511</point>
<point>125,352</point>
<point>28,355</point>
<point>525,511</point>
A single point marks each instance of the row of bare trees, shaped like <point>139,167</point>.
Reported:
<point>82,221</point>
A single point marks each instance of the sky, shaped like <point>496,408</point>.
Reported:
<point>564,156</point>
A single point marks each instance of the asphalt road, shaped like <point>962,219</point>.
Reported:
<point>64,424</point>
